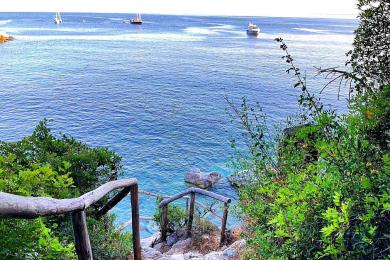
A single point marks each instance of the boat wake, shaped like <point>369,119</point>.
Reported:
<point>311,30</point>
<point>211,30</point>
<point>4,22</point>
<point>200,31</point>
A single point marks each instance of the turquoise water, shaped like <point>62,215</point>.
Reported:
<point>154,93</point>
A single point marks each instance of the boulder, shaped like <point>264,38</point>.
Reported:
<point>149,241</point>
<point>162,247</point>
<point>180,247</point>
<point>173,257</point>
<point>193,256</point>
<point>201,179</point>
<point>172,239</point>
<point>151,253</point>
<point>214,256</point>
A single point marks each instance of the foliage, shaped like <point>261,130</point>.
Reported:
<point>31,239</point>
<point>177,216</point>
<point>88,167</point>
<point>321,188</point>
<point>370,58</point>
<point>107,241</point>
<point>335,205</point>
<point>59,167</point>
<point>177,221</point>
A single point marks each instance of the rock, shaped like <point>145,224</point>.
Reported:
<point>149,241</point>
<point>232,252</point>
<point>151,253</point>
<point>229,253</point>
<point>162,247</point>
<point>214,256</point>
<point>5,38</point>
<point>193,256</point>
<point>173,257</point>
<point>172,239</point>
<point>202,179</point>
<point>180,247</point>
<point>238,245</point>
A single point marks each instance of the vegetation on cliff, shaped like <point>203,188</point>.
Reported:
<point>321,188</point>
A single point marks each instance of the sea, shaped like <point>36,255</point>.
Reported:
<point>156,93</point>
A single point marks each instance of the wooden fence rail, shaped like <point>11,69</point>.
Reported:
<point>14,206</point>
<point>192,191</point>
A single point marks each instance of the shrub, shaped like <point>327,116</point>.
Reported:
<point>59,167</point>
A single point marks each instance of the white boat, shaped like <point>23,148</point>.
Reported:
<point>253,29</point>
<point>57,18</point>
<point>137,19</point>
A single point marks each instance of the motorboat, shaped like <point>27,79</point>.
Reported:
<point>253,29</point>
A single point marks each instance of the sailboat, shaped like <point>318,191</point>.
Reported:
<point>57,18</point>
<point>137,19</point>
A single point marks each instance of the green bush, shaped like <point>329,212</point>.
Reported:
<point>59,167</point>
<point>321,189</point>
<point>335,206</point>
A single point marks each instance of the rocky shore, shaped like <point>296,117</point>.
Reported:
<point>5,38</point>
<point>206,247</point>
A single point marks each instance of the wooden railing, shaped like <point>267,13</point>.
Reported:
<point>192,191</point>
<point>14,206</point>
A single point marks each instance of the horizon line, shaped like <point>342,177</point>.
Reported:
<point>325,16</point>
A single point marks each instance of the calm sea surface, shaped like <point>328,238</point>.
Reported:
<point>154,93</point>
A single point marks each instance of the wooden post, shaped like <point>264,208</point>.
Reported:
<point>191,214</point>
<point>82,243</point>
<point>164,223</point>
<point>135,222</point>
<point>187,205</point>
<point>224,220</point>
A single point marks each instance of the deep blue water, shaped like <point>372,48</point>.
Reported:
<point>154,93</point>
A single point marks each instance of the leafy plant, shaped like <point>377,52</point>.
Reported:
<point>328,194</point>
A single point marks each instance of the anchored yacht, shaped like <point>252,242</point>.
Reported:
<point>137,19</point>
<point>253,29</point>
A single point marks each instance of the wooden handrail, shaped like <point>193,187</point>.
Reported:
<point>192,191</point>
<point>15,206</point>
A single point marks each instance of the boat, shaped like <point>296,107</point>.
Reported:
<point>137,19</point>
<point>253,29</point>
<point>57,18</point>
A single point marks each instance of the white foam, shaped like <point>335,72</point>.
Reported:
<point>4,22</point>
<point>119,37</point>
<point>4,33</point>
<point>341,38</point>
<point>115,19</point>
<point>200,31</point>
<point>223,27</point>
<point>311,30</point>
